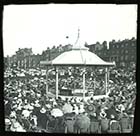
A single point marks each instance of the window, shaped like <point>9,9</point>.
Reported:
<point>122,45</point>
<point>126,51</point>
<point>99,53</point>
<point>117,59</point>
<point>132,58</point>
<point>126,57</point>
<point>122,51</point>
<point>126,44</point>
<point>121,58</point>
<point>117,52</point>
<point>123,64</point>
<point>133,44</point>
<point>113,52</point>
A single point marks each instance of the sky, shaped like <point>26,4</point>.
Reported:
<point>46,25</point>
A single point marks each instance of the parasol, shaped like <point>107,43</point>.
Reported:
<point>26,113</point>
<point>56,112</point>
<point>67,108</point>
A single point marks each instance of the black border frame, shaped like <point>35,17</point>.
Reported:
<point>136,129</point>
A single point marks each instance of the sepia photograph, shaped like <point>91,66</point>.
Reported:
<point>70,68</point>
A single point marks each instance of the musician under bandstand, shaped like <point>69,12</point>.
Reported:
<point>80,57</point>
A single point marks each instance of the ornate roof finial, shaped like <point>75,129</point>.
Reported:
<point>77,36</point>
<point>78,45</point>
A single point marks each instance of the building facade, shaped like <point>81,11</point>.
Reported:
<point>122,52</point>
<point>24,58</point>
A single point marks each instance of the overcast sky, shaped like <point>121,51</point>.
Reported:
<point>42,26</point>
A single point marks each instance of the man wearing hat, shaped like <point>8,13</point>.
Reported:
<point>114,126</point>
<point>125,123</point>
<point>16,126</point>
<point>94,122</point>
<point>82,123</point>
<point>7,124</point>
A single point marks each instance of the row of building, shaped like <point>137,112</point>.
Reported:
<point>122,52</point>
<point>24,58</point>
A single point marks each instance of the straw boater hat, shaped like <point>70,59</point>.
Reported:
<point>37,103</point>
<point>91,108</point>
<point>121,107</point>
<point>48,106</point>
<point>5,102</point>
<point>112,116</point>
<point>26,113</point>
<point>7,121</point>
<point>30,107</point>
<point>43,110</point>
<point>13,114</point>
<point>102,114</point>
<point>15,98</point>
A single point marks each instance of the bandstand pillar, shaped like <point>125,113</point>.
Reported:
<point>84,86</point>
<point>47,72</point>
<point>106,80</point>
<point>56,85</point>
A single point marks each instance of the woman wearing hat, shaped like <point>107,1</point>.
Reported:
<point>82,123</point>
<point>114,126</point>
<point>125,123</point>
<point>16,126</point>
<point>42,118</point>
<point>104,122</point>
<point>7,124</point>
<point>94,123</point>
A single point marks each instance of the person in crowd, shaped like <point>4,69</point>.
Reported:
<point>28,109</point>
<point>82,123</point>
<point>104,121</point>
<point>114,126</point>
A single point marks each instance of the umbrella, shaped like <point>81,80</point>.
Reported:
<point>67,108</point>
<point>21,75</point>
<point>17,127</point>
<point>35,78</point>
<point>56,112</point>
<point>26,113</point>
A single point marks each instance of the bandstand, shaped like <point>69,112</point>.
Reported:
<point>78,56</point>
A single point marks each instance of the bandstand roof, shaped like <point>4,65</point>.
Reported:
<point>78,56</point>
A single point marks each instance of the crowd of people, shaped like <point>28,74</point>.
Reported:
<point>29,109</point>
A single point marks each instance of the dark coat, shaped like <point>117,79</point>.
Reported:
<point>82,123</point>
